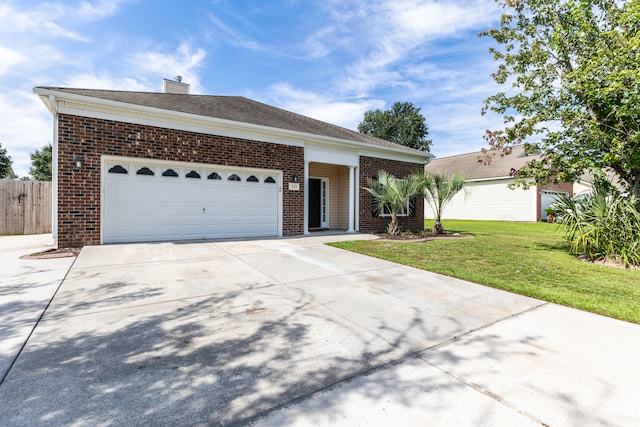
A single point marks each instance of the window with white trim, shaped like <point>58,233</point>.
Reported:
<point>409,210</point>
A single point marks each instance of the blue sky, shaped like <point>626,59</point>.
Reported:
<point>331,60</point>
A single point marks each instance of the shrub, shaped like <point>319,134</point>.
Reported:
<point>605,225</point>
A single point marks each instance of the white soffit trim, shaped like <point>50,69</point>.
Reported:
<point>138,114</point>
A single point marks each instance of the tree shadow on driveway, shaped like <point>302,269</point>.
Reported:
<point>212,360</point>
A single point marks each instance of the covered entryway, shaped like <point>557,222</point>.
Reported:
<point>161,201</point>
<point>328,197</point>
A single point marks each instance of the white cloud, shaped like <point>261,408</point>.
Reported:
<point>39,21</point>
<point>185,62</point>
<point>343,113</point>
<point>10,58</point>
<point>316,44</point>
<point>91,80</point>
<point>27,126</point>
<point>415,22</point>
<point>91,11</point>
<point>380,38</point>
<point>235,37</point>
<point>395,49</point>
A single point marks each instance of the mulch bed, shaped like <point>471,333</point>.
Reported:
<point>421,237</point>
<point>53,253</point>
<point>608,263</point>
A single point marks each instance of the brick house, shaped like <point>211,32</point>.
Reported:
<point>486,194</point>
<point>140,166</point>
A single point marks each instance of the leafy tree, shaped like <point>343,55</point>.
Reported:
<point>402,124</point>
<point>574,69</point>
<point>439,189</point>
<point>5,164</point>
<point>392,195</point>
<point>41,164</point>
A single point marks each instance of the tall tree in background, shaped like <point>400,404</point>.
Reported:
<point>574,69</point>
<point>5,164</point>
<point>41,164</point>
<point>402,124</point>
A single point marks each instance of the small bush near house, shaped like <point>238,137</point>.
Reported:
<point>602,226</point>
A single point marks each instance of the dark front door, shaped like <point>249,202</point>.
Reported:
<point>314,203</point>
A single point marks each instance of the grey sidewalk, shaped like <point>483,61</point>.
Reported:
<point>26,287</point>
<point>292,332</point>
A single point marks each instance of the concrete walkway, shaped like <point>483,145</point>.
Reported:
<point>26,287</point>
<point>292,332</point>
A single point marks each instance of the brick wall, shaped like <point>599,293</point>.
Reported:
<point>79,191</point>
<point>369,223</point>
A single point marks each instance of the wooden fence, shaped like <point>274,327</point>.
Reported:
<point>25,207</point>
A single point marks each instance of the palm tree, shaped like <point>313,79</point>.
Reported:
<point>439,189</point>
<point>392,195</point>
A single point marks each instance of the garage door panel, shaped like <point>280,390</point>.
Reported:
<point>118,233</point>
<point>234,213</point>
<point>269,230</point>
<point>190,190</point>
<point>253,211</point>
<point>169,230</point>
<point>144,230</point>
<point>232,229</point>
<point>166,210</point>
<point>235,193</point>
<point>119,191</point>
<point>213,231</point>
<point>192,211</point>
<point>143,210</point>
<point>213,191</point>
<point>254,229</point>
<point>155,208</point>
<point>192,232</point>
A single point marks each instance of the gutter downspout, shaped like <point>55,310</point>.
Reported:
<point>53,108</point>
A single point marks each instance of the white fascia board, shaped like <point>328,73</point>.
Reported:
<point>193,122</point>
<point>49,102</point>
<point>496,178</point>
<point>400,156</point>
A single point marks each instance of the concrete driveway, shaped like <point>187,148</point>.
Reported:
<point>292,332</point>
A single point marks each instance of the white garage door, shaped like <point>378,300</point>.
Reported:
<point>176,201</point>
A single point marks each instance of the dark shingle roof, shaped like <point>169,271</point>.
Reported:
<point>471,168</point>
<point>234,108</point>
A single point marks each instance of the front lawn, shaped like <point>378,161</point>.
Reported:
<point>526,258</point>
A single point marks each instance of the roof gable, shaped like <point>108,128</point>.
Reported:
<point>471,166</point>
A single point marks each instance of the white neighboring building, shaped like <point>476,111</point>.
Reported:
<point>486,194</point>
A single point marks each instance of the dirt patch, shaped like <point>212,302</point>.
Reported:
<point>54,253</point>
<point>608,263</point>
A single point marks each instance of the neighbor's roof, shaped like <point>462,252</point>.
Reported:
<point>234,108</point>
<point>471,165</point>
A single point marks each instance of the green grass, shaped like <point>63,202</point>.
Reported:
<point>526,258</point>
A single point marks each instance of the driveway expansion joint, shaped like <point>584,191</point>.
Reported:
<point>35,325</point>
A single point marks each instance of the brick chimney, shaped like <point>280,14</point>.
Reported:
<point>175,86</point>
